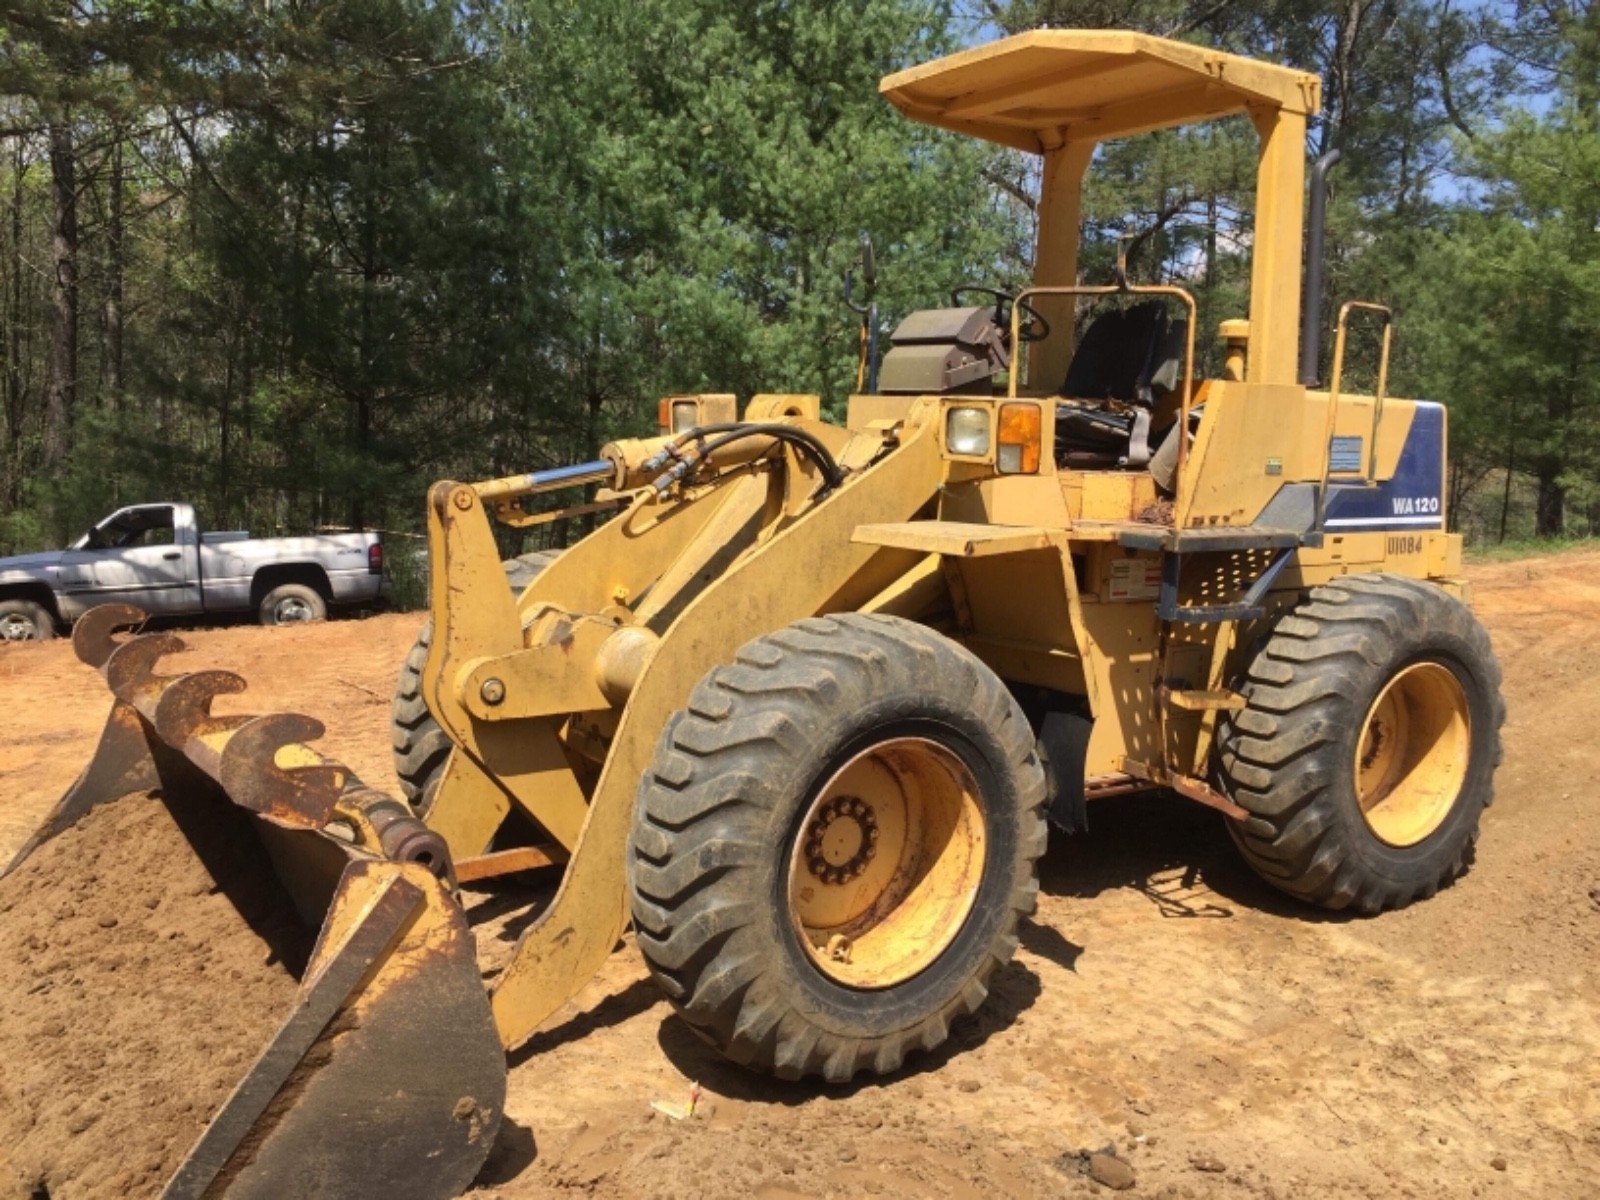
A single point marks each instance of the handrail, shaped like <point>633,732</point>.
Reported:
<point>1370,475</point>
<point>1122,288</point>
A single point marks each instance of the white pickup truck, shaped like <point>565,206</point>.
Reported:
<point>156,557</point>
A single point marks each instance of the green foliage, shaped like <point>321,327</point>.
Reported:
<point>313,256</point>
<point>378,242</point>
<point>1512,296</point>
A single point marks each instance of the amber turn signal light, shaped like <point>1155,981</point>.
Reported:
<point>1018,443</point>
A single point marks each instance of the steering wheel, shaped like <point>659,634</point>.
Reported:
<point>1034,329</point>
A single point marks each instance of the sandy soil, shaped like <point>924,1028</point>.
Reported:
<point>1225,1041</point>
<point>96,1099</point>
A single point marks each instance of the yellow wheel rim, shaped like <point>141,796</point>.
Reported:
<point>886,867</point>
<point>1411,759</point>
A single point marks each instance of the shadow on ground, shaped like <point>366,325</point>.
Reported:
<point>1175,853</point>
<point>1172,851</point>
<point>514,1151</point>
<point>1012,991</point>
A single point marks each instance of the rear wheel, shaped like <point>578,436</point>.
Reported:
<point>25,621</point>
<point>834,844</point>
<point>420,746</point>
<point>1366,752</point>
<point>291,604</point>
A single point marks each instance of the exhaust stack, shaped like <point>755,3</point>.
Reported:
<point>1311,306</point>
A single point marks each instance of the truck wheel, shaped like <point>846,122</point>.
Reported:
<point>834,844</point>
<point>1366,750</point>
<point>420,746</point>
<point>25,621</point>
<point>291,604</point>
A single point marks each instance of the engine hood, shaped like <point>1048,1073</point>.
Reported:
<point>32,564</point>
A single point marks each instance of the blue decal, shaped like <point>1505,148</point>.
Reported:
<point>1413,499</point>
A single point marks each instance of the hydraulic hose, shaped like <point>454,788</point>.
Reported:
<point>832,473</point>
<point>818,453</point>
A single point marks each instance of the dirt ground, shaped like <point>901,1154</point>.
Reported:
<point>1225,1041</point>
<point>95,1099</point>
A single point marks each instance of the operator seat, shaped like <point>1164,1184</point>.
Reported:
<point>1124,359</point>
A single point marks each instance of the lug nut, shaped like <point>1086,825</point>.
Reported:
<point>493,691</point>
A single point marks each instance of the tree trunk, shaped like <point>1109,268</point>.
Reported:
<point>13,349</point>
<point>111,305</point>
<point>1511,469</point>
<point>62,366</point>
<point>367,371</point>
<point>248,334</point>
<point>219,497</point>
<point>1549,513</point>
<point>1550,506</point>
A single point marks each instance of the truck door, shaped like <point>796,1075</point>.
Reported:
<point>135,556</point>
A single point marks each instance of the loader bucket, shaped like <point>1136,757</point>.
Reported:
<point>233,970</point>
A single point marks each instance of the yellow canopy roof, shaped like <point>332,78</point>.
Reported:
<point>1035,90</point>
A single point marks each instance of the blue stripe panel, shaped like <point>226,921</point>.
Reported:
<point>1413,499</point>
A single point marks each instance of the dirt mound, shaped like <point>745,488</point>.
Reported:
<point>138,990</point>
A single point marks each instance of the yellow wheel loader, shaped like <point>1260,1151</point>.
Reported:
<point>801,708</point>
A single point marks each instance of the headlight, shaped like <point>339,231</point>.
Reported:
<point>685,415</point>
<point>966,431</point>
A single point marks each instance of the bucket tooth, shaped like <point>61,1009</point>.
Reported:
<point>91,636</point>
<point>184,710</point>
<point>298,795</point>
<point>130,670</point>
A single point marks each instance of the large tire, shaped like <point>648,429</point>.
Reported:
<point>291,604</point>
<point>1367,748</point>
<point>420,746</point>
<point>25,621</point>
<point>734,846</point>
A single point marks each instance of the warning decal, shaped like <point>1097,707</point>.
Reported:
<point>1135,578</point>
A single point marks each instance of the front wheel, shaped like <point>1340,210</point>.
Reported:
<point>1367,748</point>
<point>834,844</point>
<point>25,621</point>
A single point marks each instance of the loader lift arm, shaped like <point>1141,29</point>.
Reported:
<point>802,569</point>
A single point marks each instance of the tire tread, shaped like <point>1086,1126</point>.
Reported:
<point>703,803</point>
<point>1273,756</point>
